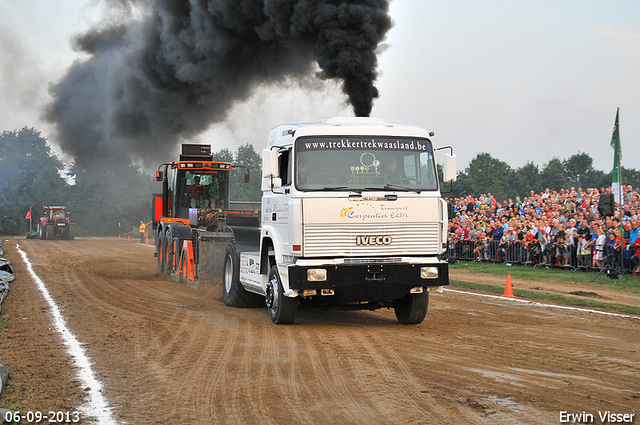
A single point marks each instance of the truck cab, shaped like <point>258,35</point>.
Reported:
<point>352,217</point>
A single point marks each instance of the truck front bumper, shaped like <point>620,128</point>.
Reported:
<point>372,280</point>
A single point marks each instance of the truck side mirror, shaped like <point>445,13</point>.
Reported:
<point>449,168</point>
<point>159,176</point>
<point>269,169</point>
<point>247,177</point>
<point>269,163</point>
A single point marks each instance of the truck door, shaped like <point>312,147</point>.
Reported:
<point>276,202</point>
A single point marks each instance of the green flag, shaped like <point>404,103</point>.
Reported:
<point>617,159</point>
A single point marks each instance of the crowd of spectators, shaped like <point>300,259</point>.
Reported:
<point>554,228</point>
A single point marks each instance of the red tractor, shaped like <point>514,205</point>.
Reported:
<point>55,223</point>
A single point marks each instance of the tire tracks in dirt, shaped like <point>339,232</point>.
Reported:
<point>170,354</point>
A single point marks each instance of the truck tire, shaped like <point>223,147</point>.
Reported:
<point>182,267</point>
<point>159,251</point>
<point>41,232</point>
<point>233,293</point>
<point>71,233</point>
<point>412,308</point>
<point>162,253</point>
<point>282,310</point>
<point>167,253</point>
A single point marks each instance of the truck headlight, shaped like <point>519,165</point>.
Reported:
<point>316,275</point>
<point>429,272</point>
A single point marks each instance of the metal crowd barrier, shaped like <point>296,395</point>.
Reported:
<point>535,254</point>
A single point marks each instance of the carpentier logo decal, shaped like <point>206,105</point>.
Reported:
<point>365,211</point>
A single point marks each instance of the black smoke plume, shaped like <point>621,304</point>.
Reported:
<point>149,83</point>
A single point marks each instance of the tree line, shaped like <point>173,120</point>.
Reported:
<point>106,200</point>
<point>486,174</point>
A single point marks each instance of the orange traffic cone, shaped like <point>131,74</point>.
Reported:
<point>118,237</point>
<point>147,241</point>
<point>129,238</point>
<point>508,290</point>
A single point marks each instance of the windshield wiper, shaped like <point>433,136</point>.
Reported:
<point>394,187</point>
<point>334,188</point>
<point>403,188</point>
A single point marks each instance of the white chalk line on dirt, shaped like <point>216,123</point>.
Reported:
<point>537,304</point>
<point>96,406</point>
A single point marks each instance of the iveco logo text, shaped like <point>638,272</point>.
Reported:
<point>373,240</point>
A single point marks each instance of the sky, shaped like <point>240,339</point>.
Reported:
<point>524,81</point>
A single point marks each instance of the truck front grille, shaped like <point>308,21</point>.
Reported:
<point>356,240</point>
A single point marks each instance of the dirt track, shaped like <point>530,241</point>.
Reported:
<point>166,353</point>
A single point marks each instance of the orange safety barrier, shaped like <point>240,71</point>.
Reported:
<point>186,263</point>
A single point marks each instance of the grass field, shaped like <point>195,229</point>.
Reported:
<point>628,283</point>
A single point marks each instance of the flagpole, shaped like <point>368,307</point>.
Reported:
<point>616,185</point>
<point>616,175</point>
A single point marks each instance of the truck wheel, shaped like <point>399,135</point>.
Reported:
<point>282,310</point>
<point>233,294</point>
<point>71,233</point>
<point>167,252</point>
<point>41,232</point>
<point>182,276</point>
<point>159,251</point>
<point>162,253</point>
<point>48,231</point>
<point>412,308</point>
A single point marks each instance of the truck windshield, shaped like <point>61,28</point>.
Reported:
<point>200,189</point>
<point>359,163</point>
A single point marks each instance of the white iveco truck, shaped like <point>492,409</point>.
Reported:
<point>352,218</point>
